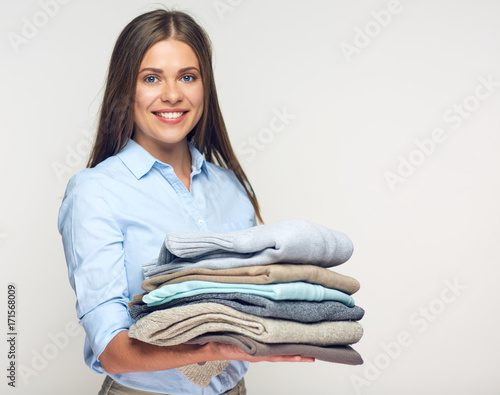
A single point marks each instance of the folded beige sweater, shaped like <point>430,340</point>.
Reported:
<point>201,374</point>
<point>264,274</point>
<point>179,324</point>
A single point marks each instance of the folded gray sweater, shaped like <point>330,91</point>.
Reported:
<point>337,354</point>
<point>181,324</point>
<point>263,307</point>
<point>288,241</point>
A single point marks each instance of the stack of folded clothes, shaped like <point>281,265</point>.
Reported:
<point>266,289</point>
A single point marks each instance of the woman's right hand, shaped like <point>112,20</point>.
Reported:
<point>124,354</point>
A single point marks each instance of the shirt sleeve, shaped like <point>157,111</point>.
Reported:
<point>93,246</point>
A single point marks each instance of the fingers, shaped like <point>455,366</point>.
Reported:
<point>285,358</point>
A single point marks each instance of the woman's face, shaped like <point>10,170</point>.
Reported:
<point>168,96</point>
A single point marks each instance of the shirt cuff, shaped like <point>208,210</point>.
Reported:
<point>101,325</point>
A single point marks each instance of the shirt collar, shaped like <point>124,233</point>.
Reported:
<point>198,162</point>
<point>139,161</point>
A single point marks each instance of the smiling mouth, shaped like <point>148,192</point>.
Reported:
<point>170,115</point>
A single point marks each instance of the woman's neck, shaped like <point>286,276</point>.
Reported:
<point>176,155</point>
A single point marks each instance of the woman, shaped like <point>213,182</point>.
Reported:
<point>151,171</point>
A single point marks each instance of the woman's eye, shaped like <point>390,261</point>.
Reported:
<point>151,79</point>
<point>188,78</point>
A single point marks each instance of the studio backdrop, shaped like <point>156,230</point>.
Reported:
<point>376,118</point>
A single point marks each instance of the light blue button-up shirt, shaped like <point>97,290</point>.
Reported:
<point>114,217</point>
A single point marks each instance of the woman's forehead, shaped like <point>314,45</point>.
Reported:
<point>170,56</point>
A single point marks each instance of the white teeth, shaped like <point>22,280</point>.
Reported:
<point>169,115</point>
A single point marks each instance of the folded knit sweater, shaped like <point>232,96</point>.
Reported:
<point>180,324</point>
<point>283,291</point>
<point>288,241</point>
<point>263,307</point>
<point>337,354</point>
<point>262,274</point>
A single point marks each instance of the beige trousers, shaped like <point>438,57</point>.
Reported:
<point>111,387</point>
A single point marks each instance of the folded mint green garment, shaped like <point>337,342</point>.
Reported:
<point>296,310</point>
<point>284,291</point>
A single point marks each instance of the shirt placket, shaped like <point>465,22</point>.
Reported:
<point>185,197</point>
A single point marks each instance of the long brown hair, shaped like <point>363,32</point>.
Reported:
<point>116,120</point>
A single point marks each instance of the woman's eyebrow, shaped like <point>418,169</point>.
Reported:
<point>160,71</point>
<point>188,69</point>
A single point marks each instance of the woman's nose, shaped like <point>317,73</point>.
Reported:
<point>171,92</point>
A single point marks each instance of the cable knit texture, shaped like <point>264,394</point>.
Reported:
<point>264,307</point>
<point>180,324</point>
<point>289,241</point>
<point>201,374</point>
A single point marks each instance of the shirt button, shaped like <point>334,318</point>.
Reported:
<point>201,222</point>
<point>223,374</point>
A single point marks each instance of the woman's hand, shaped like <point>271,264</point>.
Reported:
<point>124,354</point>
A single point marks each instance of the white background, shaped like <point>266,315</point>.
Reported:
<point>357,117</point>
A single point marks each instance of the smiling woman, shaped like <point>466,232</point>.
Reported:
<point>137,42</point>
<point>168,103</point>
<point>161,162</point>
